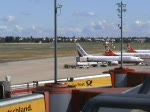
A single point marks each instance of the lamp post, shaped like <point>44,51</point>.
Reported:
<point>121,9</point>
<point>55,36</point>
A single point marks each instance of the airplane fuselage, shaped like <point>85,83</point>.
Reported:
<point>142,51</point>
<point>140,55</point>
<point>125,59</point>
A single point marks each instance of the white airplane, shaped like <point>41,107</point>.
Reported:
<point>109,52</point>
<point>131,50</point>
<point>110,59</point>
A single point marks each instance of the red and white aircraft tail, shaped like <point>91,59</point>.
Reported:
<point>108,51</point>
<point>130,49</point>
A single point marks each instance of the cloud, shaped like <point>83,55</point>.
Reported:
<point>138,22</point>
<point>36,32</point>
<point>18,28</point>
<point>104,28</point>
<point>84,14</point>
<point>9,19</point>
<point>4,30</point>
<point>69,31</point>
<point>103,25</point>
<point>138,28</point>
<point>4,27</point>
<point>97,25</point>
<point>101,28</point>
<point>94,29</point>
<point>145,24</point>
<point>33,27</point>
<point>74,29</point>
<point>90,14</point>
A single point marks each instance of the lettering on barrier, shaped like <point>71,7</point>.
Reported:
<point>21,109</point>
<point>89,82</point>
<point>81,84</point>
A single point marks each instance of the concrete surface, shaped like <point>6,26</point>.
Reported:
<point>43,69</point>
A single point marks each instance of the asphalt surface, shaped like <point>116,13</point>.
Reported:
<point>43,69</point>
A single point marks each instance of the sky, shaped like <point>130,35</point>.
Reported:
<point>79,18</point>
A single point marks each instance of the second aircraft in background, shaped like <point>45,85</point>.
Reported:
<point>131,50</point>
<point>109,52</point>
<point>110,59</point>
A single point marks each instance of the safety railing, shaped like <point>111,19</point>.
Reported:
<point>118,101</point>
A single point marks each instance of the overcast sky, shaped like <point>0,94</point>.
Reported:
<point>96,18</point>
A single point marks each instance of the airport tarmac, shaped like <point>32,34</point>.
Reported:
<point>43,69</point>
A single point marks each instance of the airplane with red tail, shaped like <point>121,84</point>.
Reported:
<point>109,52</point>
<point>131,50</point>
<point>109,59</point>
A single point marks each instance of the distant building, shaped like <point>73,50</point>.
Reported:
<point>139,40</point>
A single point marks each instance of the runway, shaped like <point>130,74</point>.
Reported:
<point>43,69</point>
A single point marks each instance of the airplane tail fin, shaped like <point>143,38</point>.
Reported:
<point>108,51</point>
<point>80,50</point>
<point>130,49</point>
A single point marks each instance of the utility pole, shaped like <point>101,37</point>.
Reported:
<point>55,36</point>
<point>121,9</point>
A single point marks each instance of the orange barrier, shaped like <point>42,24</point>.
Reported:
<point>136,78</point>
<point>125,77</point>
<point>119,76</point>
<point>59,96</point>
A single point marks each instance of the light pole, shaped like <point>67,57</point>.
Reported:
<point>55,36</point>
<point>121,9</point>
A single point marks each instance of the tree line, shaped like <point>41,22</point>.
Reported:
<point>17,39</point>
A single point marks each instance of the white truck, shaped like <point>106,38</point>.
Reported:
<point>82,62</point>
<point>86,64</point>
